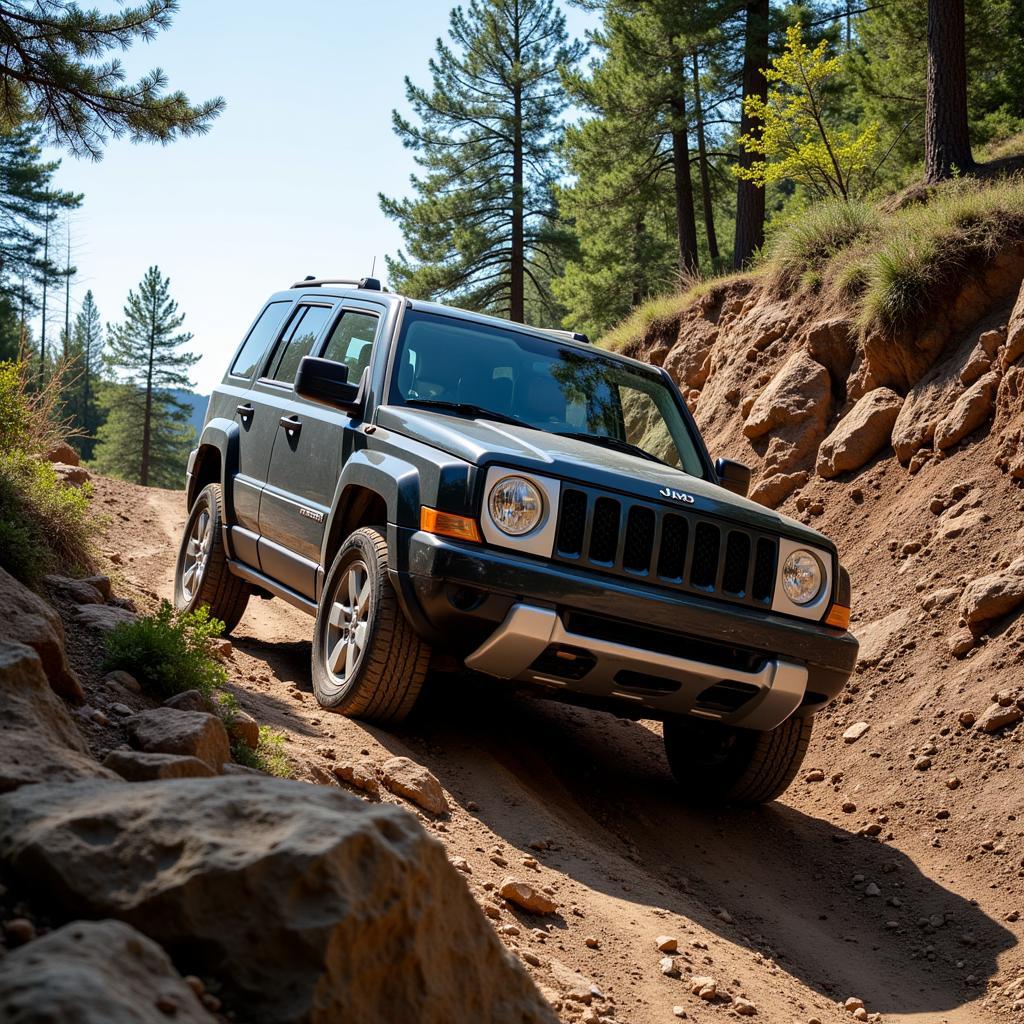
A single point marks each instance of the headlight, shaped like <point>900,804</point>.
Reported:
<point>515,505</point>
<point>801,577</point>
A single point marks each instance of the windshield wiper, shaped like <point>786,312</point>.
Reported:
<point>613,442</point>
<point>467,409</point>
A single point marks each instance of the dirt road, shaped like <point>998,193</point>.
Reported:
<point>778,903</point>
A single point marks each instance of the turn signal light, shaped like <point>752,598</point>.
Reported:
<point>445,524</point>
<point>838,617</point>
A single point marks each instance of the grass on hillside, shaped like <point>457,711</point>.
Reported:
<point>889,269</point>
<point>44,525</point>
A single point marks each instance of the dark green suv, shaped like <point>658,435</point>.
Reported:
<point>423,479</point>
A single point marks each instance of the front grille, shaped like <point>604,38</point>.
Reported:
<point>681,550</point>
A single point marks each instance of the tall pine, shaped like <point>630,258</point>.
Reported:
<point>85,367</point>
<point>482,228</point>
<point>147,436</point>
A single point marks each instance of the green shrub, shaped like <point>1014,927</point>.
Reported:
<point>268,757</point>
<point>169,652</point>
<point>44,525</point>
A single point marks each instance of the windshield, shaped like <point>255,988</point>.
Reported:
<point>470,368</point>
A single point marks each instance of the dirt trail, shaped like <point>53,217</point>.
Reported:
<point>771,901</point>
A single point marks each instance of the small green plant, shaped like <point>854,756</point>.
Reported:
<point>269,756</point>
<point>801,139</point>
<point>169,652</point>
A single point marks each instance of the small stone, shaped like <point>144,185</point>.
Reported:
<point>849,807</point>
<point>408,779</point>
<point>815,775</point>
<point>18,931</point>
<point>666,943</point>
<point>953,782</point>
<point>124,679</point>
<point>525,896</point>
<point>491,911</point>
<point>196,984</point>
<point>531,958</point>
<point>678,1011</point>
<point>967,718</point>
<point>461,864</point>
<point>998,717</point>
<point>591,943</point>
<point>359,774</point>
<point>724,915</point>
<point>744,1007</point>
<point>668,967</point>
<point>243,728</point>
<point>872,890</point>
<point>121,709</point>
<point>922,764</point>
<point>855,732</point>
<point>853,1003</point>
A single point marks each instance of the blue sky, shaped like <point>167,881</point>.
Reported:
<point>286,182</point>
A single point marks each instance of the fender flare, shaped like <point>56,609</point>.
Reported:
<point>223,435</point>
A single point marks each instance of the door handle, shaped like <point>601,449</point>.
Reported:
<point>292,424</point>
<point>245,411</point>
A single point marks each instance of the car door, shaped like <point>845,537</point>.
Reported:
<point>308,454</point>
<point>237,400</point>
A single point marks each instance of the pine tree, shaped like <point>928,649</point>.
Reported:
<point>85,358</point>
<point>947,144</point>
<point>482,229</point>
<point>56,73</point>
<point>147,436</point>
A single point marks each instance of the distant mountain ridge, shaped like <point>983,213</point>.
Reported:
<point>196,403</point>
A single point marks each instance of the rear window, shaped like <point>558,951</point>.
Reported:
<point>298,341</point>
<point>256,344</point>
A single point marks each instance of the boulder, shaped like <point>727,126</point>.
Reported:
<point>773,490</point>
<point>306,902</point>
<point>359,774</point>
<point>187,733</point>
<point>861,434</point>
<point>72,476</point>
<point>25,618</point>
<point>62,452</point>
<point>972,409</point>
<point>527,897</point>
<point>997,717</point>
<point>39,741</point>
<point>1013,349</point>
<point>832,343</point>
<point>79,591</point>
<point>405,777</point>
<point>139,766</point>
<point>95,972</point>
<point>800,390</point>
<point>103,617</point>
<point>243,728</point>
<point>993,596</point>
<point>189,700</point>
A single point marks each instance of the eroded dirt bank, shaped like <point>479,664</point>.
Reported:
<point>786,906</point>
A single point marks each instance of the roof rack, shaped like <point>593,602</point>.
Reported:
<point>569,335</point>
<point>370,284</point>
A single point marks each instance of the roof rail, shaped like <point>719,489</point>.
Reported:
<point>569,335</point>
<point>370,284</point>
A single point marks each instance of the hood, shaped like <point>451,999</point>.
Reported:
<point>485,442</point>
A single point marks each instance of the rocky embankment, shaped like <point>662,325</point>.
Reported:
<point>908,450</point>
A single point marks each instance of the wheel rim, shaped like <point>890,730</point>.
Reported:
<point>347,625</point>
<point>197,555</point>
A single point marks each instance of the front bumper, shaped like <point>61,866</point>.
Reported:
<point>503,611</point>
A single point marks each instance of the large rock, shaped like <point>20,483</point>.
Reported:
<point>62,452</point>
<point>309,904</point>
<point>39,742</point>
<point>95,972</point>
<point>186,733</point>
<point>26,618</point>
<point>973,409</point>
<point>861,434</point>
<point>78,591</point>
<point>103,617</point>
<point>139,766</point>
<point>801,390</point>
<point>771,491</point>
<point>1013,349</point>
<point>405,777</point>
<point>993,596</point>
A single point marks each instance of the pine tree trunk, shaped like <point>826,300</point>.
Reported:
<point>517,297</point>
<point>639,278</point>
<point>147,426</point>
<point>947,143</point>
<point>686,222</point>
<point>46,279</point>
<point>750,197</point>
<point>702,160</point>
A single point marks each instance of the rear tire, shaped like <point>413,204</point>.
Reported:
<point>201,574</point>
<point>368,662</point>
<point>721,764</point>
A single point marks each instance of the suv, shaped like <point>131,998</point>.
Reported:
<point>425,479</point>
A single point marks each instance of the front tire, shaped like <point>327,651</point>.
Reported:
<point>718,763</point>
<point>368,661</point>
<point>201,574</point>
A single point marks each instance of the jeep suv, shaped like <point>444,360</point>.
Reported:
<point>425,479</point>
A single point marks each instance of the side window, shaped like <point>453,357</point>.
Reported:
<point>298,341</point>
<point>262,334</point>
<point>351,342</point>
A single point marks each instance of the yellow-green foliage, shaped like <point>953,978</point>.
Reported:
<point>800,140</point>
<point>268,757</point>
<point>44,526</point>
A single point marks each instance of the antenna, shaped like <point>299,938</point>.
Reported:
<point>373,266</point>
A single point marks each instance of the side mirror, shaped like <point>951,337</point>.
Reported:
<point>733,476</point>
<point>326,382</point>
